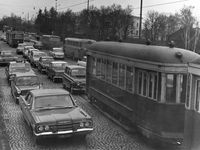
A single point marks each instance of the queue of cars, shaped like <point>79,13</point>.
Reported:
<point>48,112</point>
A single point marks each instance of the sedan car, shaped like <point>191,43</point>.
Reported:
<point>20,48</point>
<point>74,78</point>
<point>25,51</point>
<point>56,69</point>
<point>57,53</point>
<point>54,113</point>
<point>15,67</point>
<point>44,62</point>
<point>35,56</point>
<point>7,56</point>
<point>21,83</point>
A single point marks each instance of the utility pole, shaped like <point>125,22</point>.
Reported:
<point>56,5</point>
<point>88,3</point>
<point>140,27</point>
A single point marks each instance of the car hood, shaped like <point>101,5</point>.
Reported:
<point>30,87</point>
<point>59,115</point>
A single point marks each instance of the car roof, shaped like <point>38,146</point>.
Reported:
<point>75,66</point>
<point>47,92</point>
<point>58,62</point>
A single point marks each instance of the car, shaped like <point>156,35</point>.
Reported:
<point>23,82</point>
<point>26,49</point>
<point>29,53</point>
<point>35,56</point>
<point>14,67</point>
<point>82,62</point>
<point>57,53</point>
<point>43,63</point>
<point>56,70</point>
<point>20,48</point>
<point>6,56</point>
<point>74,78</point>
<point>38,45</point>
<point>54,113</point>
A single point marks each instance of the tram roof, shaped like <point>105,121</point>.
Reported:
<point>160,54</point>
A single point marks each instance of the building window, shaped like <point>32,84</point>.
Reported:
<point>197,96</point>
<point>129,78</point>
<point>109,71</point>
<point>115,73</point>
<point>121,75</point>
<point>171,88</point>
<point>137,33</point>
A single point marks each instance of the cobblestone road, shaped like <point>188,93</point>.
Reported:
<point>106,136</point>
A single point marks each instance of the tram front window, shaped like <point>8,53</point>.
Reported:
<point>171,88</point>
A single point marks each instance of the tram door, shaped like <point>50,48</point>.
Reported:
<point>192,109</point>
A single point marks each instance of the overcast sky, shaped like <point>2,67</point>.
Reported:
<point>29,8</point>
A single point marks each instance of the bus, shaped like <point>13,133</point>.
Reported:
<point>13,38</point>
<point>50,41</point>
<point>76,48</point>
<point>145,86</point>
<point>192,107</point>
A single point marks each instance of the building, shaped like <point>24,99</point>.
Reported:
<point>133,31</point>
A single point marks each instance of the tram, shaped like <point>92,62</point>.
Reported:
<point>142,86</point>
<point>192,106</point>
<point>76,48</point>
<point>13,38</point>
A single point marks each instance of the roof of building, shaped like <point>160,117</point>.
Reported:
<point>159,54</point>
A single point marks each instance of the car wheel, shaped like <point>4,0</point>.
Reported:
<point>37,140</point>
<point>71,90</point>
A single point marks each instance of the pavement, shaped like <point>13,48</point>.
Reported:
<point>4,139</point>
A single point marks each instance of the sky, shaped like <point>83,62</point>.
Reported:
<point>28,9</point>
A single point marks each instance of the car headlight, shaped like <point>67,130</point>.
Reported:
<point>40,128</point>
<point>46,128</point>
<point>87,124</point>
<point>81,124</point>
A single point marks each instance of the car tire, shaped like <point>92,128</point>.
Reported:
<point>64,86</point>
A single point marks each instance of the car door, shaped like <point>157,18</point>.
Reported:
<point>13,86</point>
<point>26,107</point>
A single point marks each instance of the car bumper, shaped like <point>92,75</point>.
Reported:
<point>68,133</point>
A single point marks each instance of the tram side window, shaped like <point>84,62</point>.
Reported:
<point>109,71</point>
<point>171,88</point>
<point>129,78</point>
<point>142,83</point>
<point>188,91</point>
<point>103,69</point>
<point>98,71</point>
<point>183,81</point>
<point>121,75</point>
<point>197,96</point>
<point>93,66</point>
<point>115,73</point>
<point>153,86</point>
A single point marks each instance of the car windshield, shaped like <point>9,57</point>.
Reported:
<point>58,50</point>
<point>53,101</point>
<point>20,67</point>
<point>81,72</point>
<point>59,66</point>
<point>27,81</point>
<point>47,60</point>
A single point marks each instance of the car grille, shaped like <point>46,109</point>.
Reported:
<point>64,127</point>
